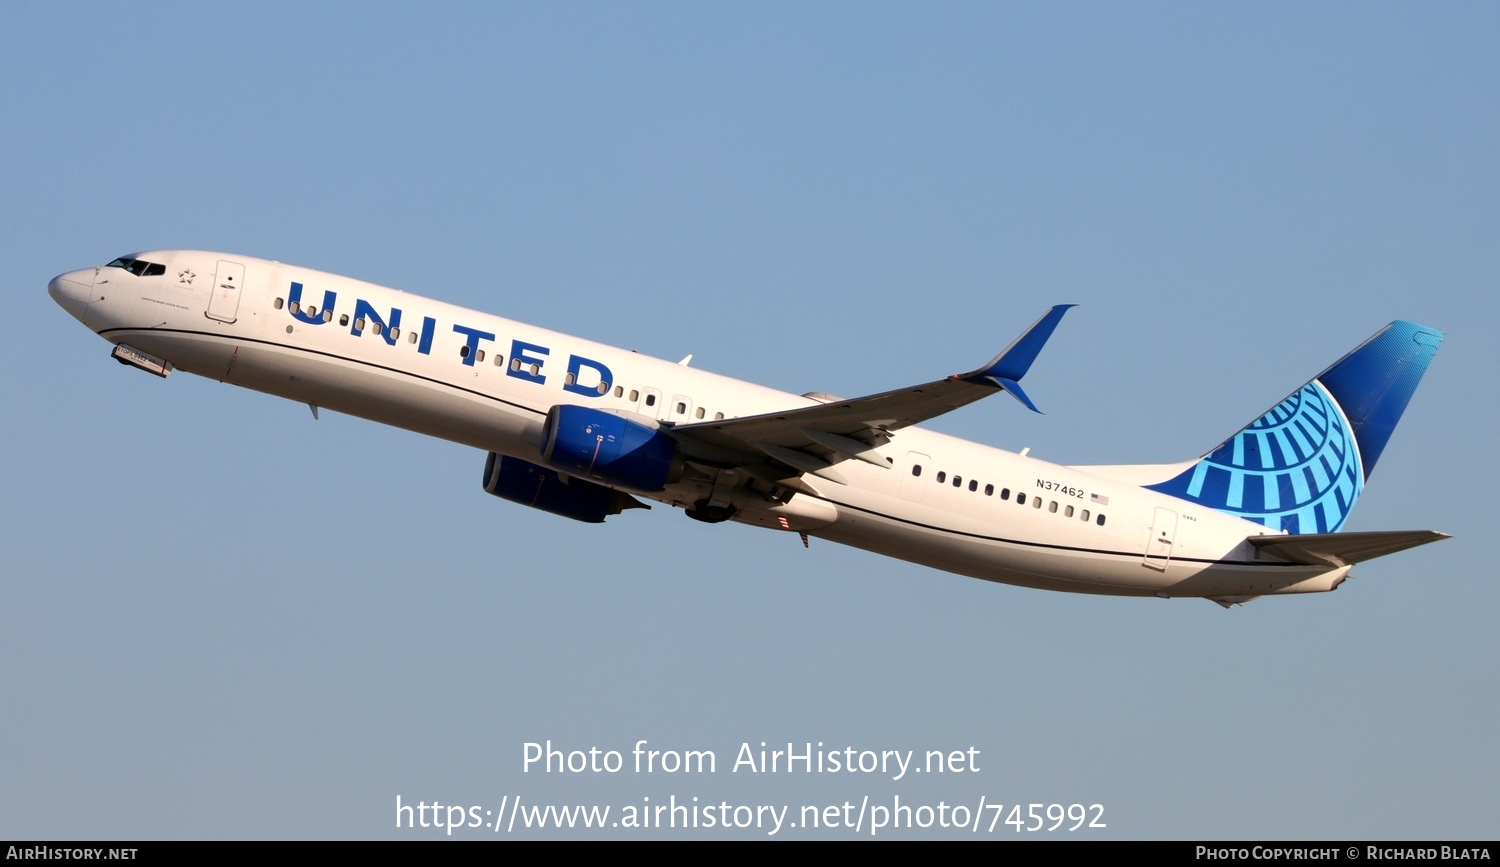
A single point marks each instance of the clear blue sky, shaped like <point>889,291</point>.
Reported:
<point>223,619</point>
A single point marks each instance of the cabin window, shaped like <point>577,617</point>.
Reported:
<point>1005,493</point>
<point>1084,515</point>
<point>463,351</point>
<point>278,304</point>
<point>635,395</point>
<point>343,320</point>
<point>478,353</point>
<point>958,481</point>
<point>700,412</point>
<point>395,334</point>
<point>515,364</point>
<point>942,476</point>
<point>681,408</point>
<point>535,369</point>
<point>916,469</point>
<point>1068,512</point>
<point>570,379</point>
<point>989,490</point>
<point>359,325</point>
<point>1020,499</point>
<point>1100,520</point>
<point>312,312</point>
<point>650,400</point>
<point>1036,502</point>
<point>294,307</point>
<point>327,315</point>
<point>499,360</point>
<point>1052,507</point>
<point>375,329</point>
<point>412,337</point>
<point>718,415</point>
<point>603,388</point>
<point>619,391</point>
<point>973,485</point>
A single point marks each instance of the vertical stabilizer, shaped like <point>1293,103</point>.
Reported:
<point>1301,466</point>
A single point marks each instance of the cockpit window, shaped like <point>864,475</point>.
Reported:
<point>138,267</point>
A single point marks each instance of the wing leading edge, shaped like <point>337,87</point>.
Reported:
<point>811,439</point>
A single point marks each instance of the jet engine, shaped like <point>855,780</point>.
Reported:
<point>546,489</point>
<point>610,449</point>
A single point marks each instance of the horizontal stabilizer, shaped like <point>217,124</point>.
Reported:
<point>1343,549</point>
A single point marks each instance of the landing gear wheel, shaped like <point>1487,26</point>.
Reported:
<point>702,511</point>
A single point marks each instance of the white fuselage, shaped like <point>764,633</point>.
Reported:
<point>488,382</point>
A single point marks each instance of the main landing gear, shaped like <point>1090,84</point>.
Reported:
<point>710,514</point>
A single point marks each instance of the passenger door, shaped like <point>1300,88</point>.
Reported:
<point>224,299</point>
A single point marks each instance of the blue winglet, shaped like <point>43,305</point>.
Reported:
<point>1014,388</point>
<point>1007,368</point>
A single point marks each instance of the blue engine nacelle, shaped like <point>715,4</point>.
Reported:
<point>613,450</point>
<point>542,488</point>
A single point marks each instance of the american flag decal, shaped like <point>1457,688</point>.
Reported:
<point>1099,498</point>
<point>781,519</point>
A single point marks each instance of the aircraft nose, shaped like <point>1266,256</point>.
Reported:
<point>73,291</point>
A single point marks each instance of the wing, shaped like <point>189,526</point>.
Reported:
<point>811,439</point>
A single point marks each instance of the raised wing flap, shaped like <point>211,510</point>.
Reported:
<point>827,433</point>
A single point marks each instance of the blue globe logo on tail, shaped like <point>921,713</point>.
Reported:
<point>1296,468</point>
<point>1301,466</point>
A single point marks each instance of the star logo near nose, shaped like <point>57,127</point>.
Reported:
<point>185,277</point>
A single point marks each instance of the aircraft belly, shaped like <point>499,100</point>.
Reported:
<point>984,558</point>
<point>198,355</point>
<point>354,388</point>
<point>1056,567</point>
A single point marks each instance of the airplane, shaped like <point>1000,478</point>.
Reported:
<point>588,431</point>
